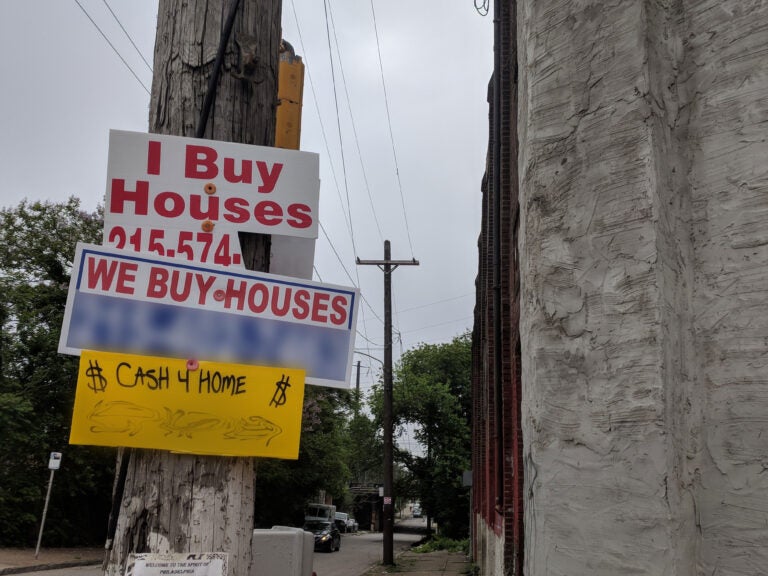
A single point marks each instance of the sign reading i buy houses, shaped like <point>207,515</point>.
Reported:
<point>130,303</point>
<point>188,198</point>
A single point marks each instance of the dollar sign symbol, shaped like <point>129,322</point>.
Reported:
<point>98,383</point>
<point>278,398</point>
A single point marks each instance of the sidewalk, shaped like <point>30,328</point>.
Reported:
<point>440,563</point>
<point>20,560</point>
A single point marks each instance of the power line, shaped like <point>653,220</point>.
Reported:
<point>391,135</point>
<point>338,127</point>
<point>333,172</point>
<point>436,302</point>
<point>127,35</point>
<point>436,325</point>
<point>103,35</point>
<point>354,128</point>
<point>362,297</point>
<point>317,109</point>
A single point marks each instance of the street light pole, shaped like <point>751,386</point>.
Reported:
<point>388,266</point>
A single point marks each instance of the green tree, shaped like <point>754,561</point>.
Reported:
<point>432,394</point>
<point>37,244</point>
<point>284,487</point>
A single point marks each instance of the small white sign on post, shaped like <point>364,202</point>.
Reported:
<point>54,462</point>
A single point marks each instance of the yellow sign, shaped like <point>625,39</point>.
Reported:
<point>187,406</point>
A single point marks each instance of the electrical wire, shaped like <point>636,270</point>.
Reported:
<point>391,135</point>
<point>103,35</point>
<point>348,218</point>
<point>149,67</point>
<point>317,109</point>
<point>354,128</point>
<point>436,302</point>
<point>338,128</point>
<point>322,228</point>
<point>436,325</point>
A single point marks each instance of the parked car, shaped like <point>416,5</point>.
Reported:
<point>327,536</point>
<point>345,522</point>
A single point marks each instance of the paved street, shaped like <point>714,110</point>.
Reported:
<point>358,553</point>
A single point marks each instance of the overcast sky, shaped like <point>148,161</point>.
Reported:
<point>64,88</point>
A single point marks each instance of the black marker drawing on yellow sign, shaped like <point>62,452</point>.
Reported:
<point>214,408</point>
<point>279,398</point>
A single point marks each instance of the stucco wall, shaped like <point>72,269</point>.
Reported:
<point>644,318</point>
<point>727,79</point>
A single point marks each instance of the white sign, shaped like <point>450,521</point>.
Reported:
<point>188,198</point>
<point>141,304</point>
<point>208,564</point>
<point>54,462</point>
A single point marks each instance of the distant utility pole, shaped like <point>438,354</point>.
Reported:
<point>215,76</point>
<point>388,266</point>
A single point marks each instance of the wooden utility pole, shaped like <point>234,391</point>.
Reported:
<point>172,503</point>
<point>388,266</point>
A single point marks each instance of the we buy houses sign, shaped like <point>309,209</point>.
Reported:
<point>188,198</point>
<point>143,304</point>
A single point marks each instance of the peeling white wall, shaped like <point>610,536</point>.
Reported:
<point>644,310</point>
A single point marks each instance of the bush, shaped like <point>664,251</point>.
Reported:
<point>441,543</point>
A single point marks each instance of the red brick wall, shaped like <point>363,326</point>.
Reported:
<point>497,461</point>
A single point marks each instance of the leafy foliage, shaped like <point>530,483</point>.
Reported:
<point>37,244</point>
<point>432,393</point>
<point>284,487</point>
<point>442,543</point>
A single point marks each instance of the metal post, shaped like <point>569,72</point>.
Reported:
<point>45,512</point>
<point>388,266</point>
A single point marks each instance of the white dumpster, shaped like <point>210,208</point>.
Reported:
<point>282,551</point>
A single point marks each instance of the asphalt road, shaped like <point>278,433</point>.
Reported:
<point>358,552</point>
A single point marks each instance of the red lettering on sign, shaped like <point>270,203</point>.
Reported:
<point>120,196</point>
<point>180,295</point>
<point>176,208</point>
<point>268,213</point>
<point>238,210</point>
<point>339,307</point>
<point>319,306</point>
<point>158,283</point>
<point>153,158</point>
<point>268,177</point>
<point>300,216</point>
<point>246,171</point>
<point>200,162</point>
<point>279,309</point>
<point>125,278</point>
<point>101,273</point>
<point>203,285</point>
<point>262,292</point>
<point>236,293</point>
<point>196,210</point>
<point>301,308</point>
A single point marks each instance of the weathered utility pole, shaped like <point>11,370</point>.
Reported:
<point>174,503</point>
<point>388,266</point>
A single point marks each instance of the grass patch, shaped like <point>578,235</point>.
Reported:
<point>440,543</point>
